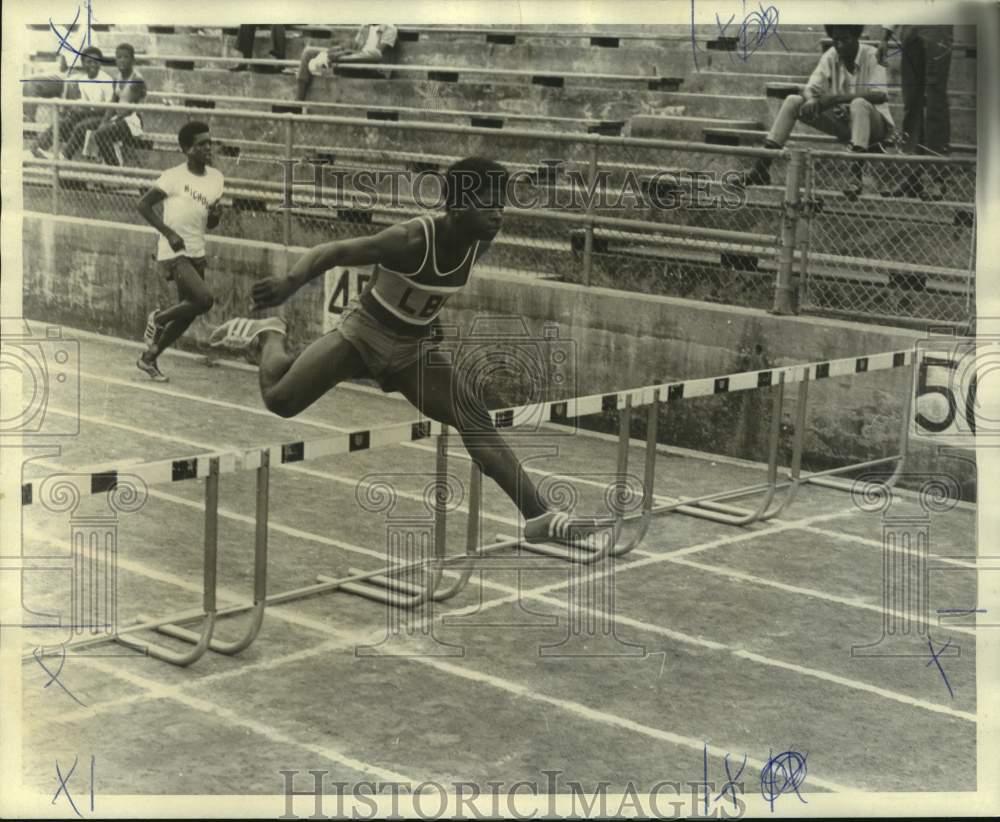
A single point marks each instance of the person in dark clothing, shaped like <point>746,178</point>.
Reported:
<point>925,62</point>
<point>244,45</point>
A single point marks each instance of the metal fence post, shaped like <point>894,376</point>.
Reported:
<point>783,288</point>
<point>588,240</point>
<point>56,153</point>
<point>809,213</point>
<point>286,227</point>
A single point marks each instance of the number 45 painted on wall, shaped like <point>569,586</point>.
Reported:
<point>950,405</point>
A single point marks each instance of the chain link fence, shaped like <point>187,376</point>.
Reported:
<point>861,236</point>
<point>888,237</point>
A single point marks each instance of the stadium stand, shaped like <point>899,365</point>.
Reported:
<point>561,82</point>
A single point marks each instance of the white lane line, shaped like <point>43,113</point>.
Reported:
<point>874,543</point>
<point>514,595</point>
<point>232,406</point>
<point>234,365</point>
<point>241,669</point>
<point>231,717</point>
<point>852,602</point>
<point>855,684</point>
<point>594,715</point>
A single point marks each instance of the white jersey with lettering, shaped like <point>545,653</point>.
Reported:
<point>409,303</point>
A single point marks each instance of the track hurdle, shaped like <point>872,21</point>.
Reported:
<point>385,584</point>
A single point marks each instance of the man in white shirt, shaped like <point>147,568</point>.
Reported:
<point>846,96</point>
<point>191,194</point>
<point>121,126</point>
<point>96,87</point>
<point>371,41</point>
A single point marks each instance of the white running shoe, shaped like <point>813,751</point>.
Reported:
<point>152,329</point>
<point>241,332</point>
<point>559,526</point>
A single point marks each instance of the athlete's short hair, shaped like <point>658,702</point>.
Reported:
<point>475,182</point>
<point>188,131</point>
<point>126,47</point>
<point>93,51</point>
<point>854,31</point>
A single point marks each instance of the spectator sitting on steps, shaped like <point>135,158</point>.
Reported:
<point>122,126</point>
<point>96,87</point>
<point>370,44</point>
<point>846,96</point>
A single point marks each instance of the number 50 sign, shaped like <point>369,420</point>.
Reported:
<point>949,403</point>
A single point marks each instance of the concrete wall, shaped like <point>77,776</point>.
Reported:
<point>102,277</point>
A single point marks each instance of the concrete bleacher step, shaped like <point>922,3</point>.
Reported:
<point>962,76</point>
<point>683,128</point>
<point>725,83</point>
<point>802,136</point>
<point>524,98</point>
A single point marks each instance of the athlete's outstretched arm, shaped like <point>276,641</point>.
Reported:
<point>387,246</point>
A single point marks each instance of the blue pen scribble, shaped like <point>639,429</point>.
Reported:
<point>731,784</point>
<point>752,33</point>
<point>54,677</point>
<point>936,661</point>
<point>783,773</point>
<point>64,788</point>
<point>755,30</point>
<point>85,42</point>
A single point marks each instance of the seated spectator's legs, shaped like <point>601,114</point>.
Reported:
<point>68,118</point>
<point>79,134</point>
<point>117,131</point>
<point>366,56</point>
<point>303,78</point>
<point>49,86</point>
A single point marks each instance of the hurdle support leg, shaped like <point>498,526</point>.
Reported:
<point>585,552</point>
<point>798,438</point>
<point>259,576</point>
<point>471,536</point>
<point>712,507</point>
<point>649,473</point>
<point>210,576</point>
<point>825,478</point>
<point>383,586</point>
